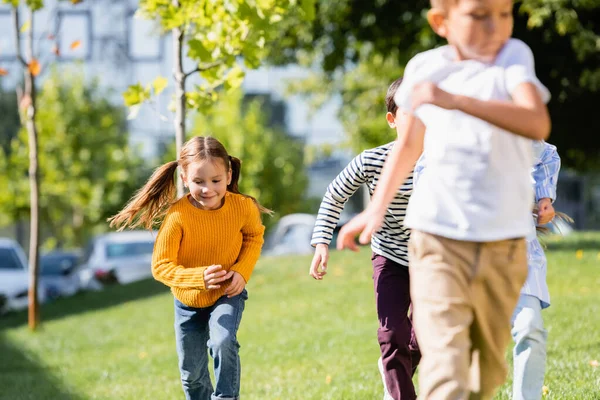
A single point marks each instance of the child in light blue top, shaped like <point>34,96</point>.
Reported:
<point>529,335</point>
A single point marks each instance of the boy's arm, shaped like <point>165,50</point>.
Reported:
<point>545,176</point>
<point>338,192</point>
<point>545,173</point>
<point>526,115</point>
<point>396,169</point>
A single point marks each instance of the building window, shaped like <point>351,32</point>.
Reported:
<point>7,40</point>
<point>74,35</point>
<point>145,43</point>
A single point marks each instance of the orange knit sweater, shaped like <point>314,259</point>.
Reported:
<point>191,239</point>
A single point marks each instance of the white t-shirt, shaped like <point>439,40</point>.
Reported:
<point>476,186</point>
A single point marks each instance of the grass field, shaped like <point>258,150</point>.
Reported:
<point>300,339</point>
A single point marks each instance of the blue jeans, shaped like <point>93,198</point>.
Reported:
<point>214,327</point>
<point>529,353</point>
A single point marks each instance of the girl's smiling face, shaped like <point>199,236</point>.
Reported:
<point>207,181</point>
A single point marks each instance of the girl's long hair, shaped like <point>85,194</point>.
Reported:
<point>150,204</point>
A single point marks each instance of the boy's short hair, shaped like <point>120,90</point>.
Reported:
<point>443,4</point>
<point>389,97</point>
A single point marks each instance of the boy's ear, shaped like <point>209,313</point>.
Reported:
<point>391,120</point>
<point>436,18</point>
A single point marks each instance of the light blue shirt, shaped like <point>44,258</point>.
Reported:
<point>544,176</point>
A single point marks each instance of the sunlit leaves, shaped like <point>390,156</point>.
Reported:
<point>135,94</point>
<point>75,45</point>
<point>159,84</point>
<point>25,27</point>
<point>34,67</point>
<point>234,78</point>
<point>219,36</point>
<point>13,3</point>
<point>198,51</point>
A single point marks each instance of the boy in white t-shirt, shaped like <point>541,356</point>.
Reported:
<point>481,104</point>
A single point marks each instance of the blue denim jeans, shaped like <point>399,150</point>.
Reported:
<point>214,327</point>
<point>529,353</point>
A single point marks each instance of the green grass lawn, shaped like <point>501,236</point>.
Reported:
<point>301,339</point>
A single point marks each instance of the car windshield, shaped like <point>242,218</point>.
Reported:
<point>9,259</point>
<point>56,265</point>
<point>114,250</point>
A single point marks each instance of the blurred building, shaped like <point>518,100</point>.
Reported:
<point>121,50</point>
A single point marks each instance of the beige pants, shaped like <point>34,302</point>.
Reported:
<point>463,294</point>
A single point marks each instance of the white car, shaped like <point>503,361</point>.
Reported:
<point>117,257</point>
<point>293,233</point>
<point>14,278</point>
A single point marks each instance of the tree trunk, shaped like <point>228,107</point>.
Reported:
<point>27,99</point>
<point>34,199</point>
<point>180,111</point>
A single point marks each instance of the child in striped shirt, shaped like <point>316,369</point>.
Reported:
<point>399,350</point>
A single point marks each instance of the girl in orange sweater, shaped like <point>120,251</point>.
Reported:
<point>205,251</point>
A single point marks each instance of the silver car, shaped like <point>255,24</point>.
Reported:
<point>117,257</point>
<point>59,273</point>
<point>14,278</point>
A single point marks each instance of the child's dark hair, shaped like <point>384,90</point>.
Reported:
<point>389,97</point>
<point>149,205</point>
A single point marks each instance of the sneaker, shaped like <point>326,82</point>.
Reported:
<point>386,394</point>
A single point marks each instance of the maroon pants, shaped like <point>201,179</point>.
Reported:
<point>399,349</point>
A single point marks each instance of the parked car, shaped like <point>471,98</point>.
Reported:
<point>293,233</point>
<point>117,257</point>
<point>58,271</point>
<point>14,278</point>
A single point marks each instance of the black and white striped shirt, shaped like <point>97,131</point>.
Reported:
<point>391,240</point>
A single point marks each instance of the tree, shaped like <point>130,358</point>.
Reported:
<point>272,161</point>
<point>27,105</point>
<point>354,40</point>
<point>26,96</point>
<point>218,35</point>
<point>87,169</point>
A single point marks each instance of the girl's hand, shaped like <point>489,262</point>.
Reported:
<point>429,93</point>
<point>214,275</point>
<point>236,286</point>
<point>545,211</point>
<point>319,260</point>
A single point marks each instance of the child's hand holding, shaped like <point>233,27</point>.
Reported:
<point>319,260</point>
<point>236,286</point>
<point>430,93</point>
<point>214,275</point>
<point>545,211</point>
